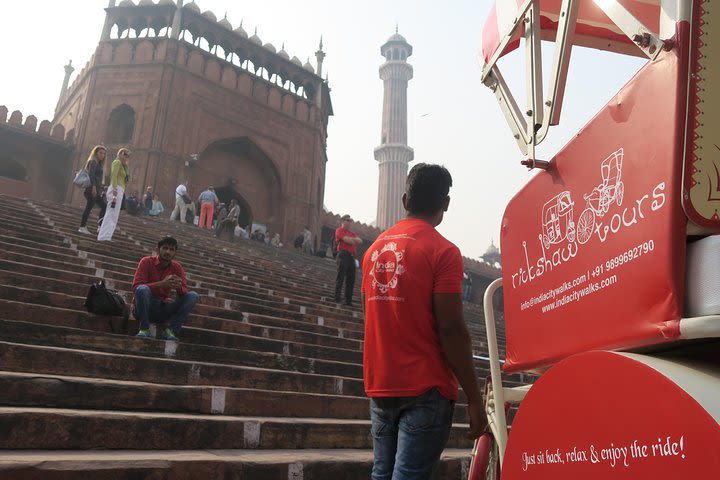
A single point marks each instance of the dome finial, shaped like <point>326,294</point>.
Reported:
<point>320,55</point>
<point>396,27</point>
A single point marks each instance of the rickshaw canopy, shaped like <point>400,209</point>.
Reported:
<point>593,28</point>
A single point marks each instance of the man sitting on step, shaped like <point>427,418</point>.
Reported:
<point>160,291</point>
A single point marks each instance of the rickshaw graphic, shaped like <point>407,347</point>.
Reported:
<point>602,196</point>
<point>557,220</point>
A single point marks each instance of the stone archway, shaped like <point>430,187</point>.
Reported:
<point>227,193</point>
<point>239,169</point>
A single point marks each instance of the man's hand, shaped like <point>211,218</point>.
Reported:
<point>478,419</point>
<point>352,240</point>
<point>171,282</point>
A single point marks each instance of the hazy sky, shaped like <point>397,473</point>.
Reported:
<point>452,118</point>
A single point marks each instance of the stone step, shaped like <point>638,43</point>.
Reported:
<point>291,330</point>
<point>345,464</point>
<point>54,429</point>
<point>37,266</point>
<point>203,270</point>
<point>202,250</point>
<point>42,294</point>
<point>50,335</point>
<point>219,332</point>
<point>61,391</point>
<point>87,363</point>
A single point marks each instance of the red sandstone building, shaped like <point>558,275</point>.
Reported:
<point>195,100</point>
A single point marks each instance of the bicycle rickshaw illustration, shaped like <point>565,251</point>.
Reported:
<point>602,196</point>
<point>557,220</point>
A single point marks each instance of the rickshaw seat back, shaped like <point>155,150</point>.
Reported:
<point>619,283</point>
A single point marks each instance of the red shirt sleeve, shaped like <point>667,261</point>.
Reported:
<point>338,236</point>
<point>448,271</point>
<point>142,275</point>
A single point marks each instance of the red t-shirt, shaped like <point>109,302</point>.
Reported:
<point>345,232</point>
<point>402,355</point>
<point>149,272</point>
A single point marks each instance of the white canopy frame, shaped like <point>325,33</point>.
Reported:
<point>531,127</point>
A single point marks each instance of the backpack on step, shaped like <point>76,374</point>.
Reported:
<point>102,301</point>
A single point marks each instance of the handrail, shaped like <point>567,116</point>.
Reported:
<point>495,407</point>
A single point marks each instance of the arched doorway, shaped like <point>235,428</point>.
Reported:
<point>121,124</point>
<point>240,170</point>
<point>228,193</point>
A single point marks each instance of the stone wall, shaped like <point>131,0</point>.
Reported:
<point>35,159</point>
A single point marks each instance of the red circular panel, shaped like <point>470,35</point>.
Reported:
<point>600,416</point>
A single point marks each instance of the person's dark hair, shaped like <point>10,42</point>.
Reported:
<point>426,188</point>
<point>168,241</point>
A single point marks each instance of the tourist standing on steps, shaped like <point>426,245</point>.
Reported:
<point>147,200</point>
<point>93,194</point>
<point>307,241</point>
<point>347,243</point>
<point>157,279</point>
<point>207,201</point>
<point>119,177</point>
<point>182,203</point>
<point>417,346</point>
<point>467,285</point>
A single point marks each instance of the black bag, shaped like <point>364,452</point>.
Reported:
<point>102,301</point>
<point>298,241</point>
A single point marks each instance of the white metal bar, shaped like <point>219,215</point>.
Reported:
<point>633,28</point>
<point>700,327</point>
<point>498,421</point>
<point>482,357</point>
<point>509,108</point>
<point>533,70</point>
<point>561,61</point>
<point>516,394</point>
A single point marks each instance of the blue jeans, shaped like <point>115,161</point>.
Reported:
<point>147,309</point>
<point>409,434</point>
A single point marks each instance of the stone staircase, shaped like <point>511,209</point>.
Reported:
<point>265,383</point>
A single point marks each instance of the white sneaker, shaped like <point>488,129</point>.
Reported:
<point>84,230</point>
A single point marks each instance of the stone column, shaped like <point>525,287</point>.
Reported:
<point>393,154</point>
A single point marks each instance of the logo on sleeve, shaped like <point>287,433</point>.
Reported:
<point>387,267</point>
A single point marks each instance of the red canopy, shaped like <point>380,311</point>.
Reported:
<point>593,28</point>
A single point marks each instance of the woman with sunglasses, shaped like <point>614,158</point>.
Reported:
<point>119,176</point>
<point>93,194</point>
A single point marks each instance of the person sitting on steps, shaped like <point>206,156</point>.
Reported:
<point>160,291</point>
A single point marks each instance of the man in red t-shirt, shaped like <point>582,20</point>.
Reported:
<point>157,278</point>
<point>417,346</point>
<point>347,243</point>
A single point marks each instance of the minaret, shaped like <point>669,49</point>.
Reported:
<point>393,154</point>
<point>320,55</point>
<point>69,69</point>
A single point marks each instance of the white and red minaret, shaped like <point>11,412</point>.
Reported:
<point>393,154</point>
